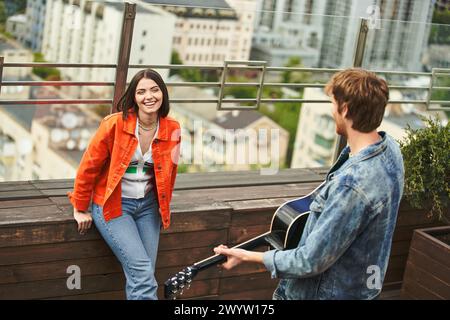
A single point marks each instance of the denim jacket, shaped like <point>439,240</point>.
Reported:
<point>344,249</point>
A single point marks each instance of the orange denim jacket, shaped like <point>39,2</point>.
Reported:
<point>106,160</point>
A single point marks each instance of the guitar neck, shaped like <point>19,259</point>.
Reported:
<point>216,259</point>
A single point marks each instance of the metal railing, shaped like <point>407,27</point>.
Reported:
<point>221,85</point>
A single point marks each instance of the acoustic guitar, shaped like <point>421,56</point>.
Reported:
<point>285,232</point>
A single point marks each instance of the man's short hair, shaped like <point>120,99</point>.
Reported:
<point>365,95</point>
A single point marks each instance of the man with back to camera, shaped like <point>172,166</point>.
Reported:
<point>344,249</point>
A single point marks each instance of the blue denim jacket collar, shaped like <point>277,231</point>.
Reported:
<point>344,160</point>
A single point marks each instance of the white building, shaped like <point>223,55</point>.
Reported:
<point>35,15</point>
<point>396,42</point>
<point>288,28</point>
<point>89,32</point>
<point>212,31</point>
<point>315,141</point>
<point>43,142</point>
<point>17,26</point>
<point>316,138</point>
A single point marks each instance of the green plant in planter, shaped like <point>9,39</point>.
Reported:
<point>426,156</point>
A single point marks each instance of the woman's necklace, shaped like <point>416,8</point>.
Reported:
<point>152,126</point>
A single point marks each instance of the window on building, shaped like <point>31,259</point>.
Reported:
<point>322,141</point>
<point>143,47</point>
<point>144,33</point>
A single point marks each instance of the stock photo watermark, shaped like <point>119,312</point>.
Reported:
<point>74,280</point>
<point>374,18</point>
<point>374,280</point>
<point>211,146</point>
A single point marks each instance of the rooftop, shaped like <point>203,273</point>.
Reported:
<point>207,209</point>
<point>238,119</point>
<point>201,9</point>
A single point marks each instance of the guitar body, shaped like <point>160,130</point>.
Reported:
<point>285,233</point>
<point>288,222</point>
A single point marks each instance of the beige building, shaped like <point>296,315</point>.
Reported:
<point>225,140</point>
<point>14,55</point>
<point>220,30</point>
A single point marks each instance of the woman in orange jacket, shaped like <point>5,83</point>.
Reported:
<point>128,171</point>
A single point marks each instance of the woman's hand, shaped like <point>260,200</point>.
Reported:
<point>84,220</point>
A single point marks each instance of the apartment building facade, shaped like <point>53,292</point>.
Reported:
<point>288,28</point>
<point>79,31</point>
<point>397,38</point>
<point>209,32</point>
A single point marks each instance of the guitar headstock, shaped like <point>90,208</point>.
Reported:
<point>175,285</point>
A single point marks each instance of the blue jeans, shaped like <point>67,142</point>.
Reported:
<point>134,238</point>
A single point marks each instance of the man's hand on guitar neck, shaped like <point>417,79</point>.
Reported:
<point>237,256</point>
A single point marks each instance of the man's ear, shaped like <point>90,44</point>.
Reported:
<point>344,110</point>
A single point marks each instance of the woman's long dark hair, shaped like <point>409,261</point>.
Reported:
<point>127,101</point>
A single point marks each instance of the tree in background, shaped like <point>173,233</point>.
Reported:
<point>50,74</point>
<point>295,76</point>
<point>284,114</point>
<point>192,75</point>
<point>2,16</point>
<point>440,29</point>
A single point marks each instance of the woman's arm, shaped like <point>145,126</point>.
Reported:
<point>175,157</point>
<point>91,165</point>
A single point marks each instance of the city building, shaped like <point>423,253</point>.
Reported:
<point>35,15</point>
<point>288,28</point>
<point>397,38</point>
<point>210,32</point>
<point>89,32</point>
<point>315,141</point>
<point>17,26</point>
<point>43,142</point>
<point>225,140</point>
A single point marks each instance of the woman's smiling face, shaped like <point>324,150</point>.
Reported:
<point>148,96</point>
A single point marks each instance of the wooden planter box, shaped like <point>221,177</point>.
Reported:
<point>427,272</point>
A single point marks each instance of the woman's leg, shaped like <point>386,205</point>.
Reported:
<point>123,238</point>
<point>148,222</point>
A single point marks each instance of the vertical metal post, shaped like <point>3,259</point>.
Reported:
<point>358,57</point>
<point>430,88</point>
<point>123,60</point>
<point>2,59</point>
